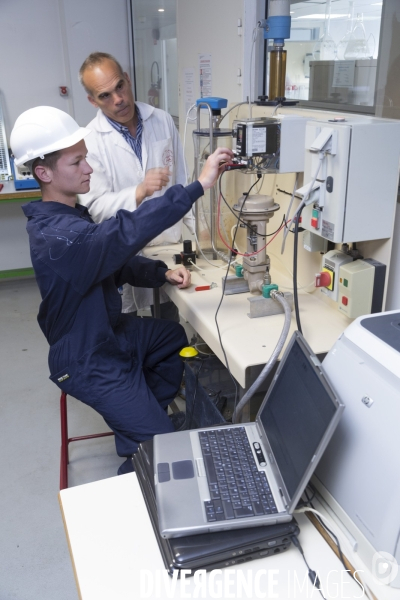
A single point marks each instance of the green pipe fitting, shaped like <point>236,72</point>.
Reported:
<point>267,289</point>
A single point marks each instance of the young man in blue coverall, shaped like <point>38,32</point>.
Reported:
<point>128,369</point>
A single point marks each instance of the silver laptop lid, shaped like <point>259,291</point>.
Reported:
<point>298,417</point>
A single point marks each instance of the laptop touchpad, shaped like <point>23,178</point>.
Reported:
<point>182,469</point>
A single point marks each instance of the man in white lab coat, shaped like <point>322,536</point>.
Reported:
<point>135,153</point>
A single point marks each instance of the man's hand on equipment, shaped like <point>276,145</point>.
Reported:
<point>214,166</point>
<point>154,181</point>
<point>179,277</point>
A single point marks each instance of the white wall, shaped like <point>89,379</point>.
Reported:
<point>44,42</point>
<point>32,57</point>
<point>94,25</point>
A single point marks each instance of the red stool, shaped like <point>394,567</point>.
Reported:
<point>65,441</point>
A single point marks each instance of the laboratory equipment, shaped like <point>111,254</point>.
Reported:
<point>342,45</point>
<point>270,144</point>
<point>358,474</point>
<point>206,140</point>
<point>325,47</point>
<point>254,212</point>
<point>358,46</point>
<point>23,179</point>
<point>277,28</point>
<point>357,285</point>
<point>352,165</point>
<point>187,257</point>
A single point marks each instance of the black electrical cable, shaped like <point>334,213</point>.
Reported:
<point>334,537</point>
<point>241,220</point>
<point>223,289</point>
<point>311,574</point>
<point>307,502</point>
<point>295,296</point>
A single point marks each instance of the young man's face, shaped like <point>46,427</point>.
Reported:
<point>71,174</point>
<point>111,91</point>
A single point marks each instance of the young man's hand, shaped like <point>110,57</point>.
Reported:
<point>154,180</point>
<point>214,166</point>
<point>179,277</point>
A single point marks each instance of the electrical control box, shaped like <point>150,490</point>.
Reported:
<point>257,138</point>
<point>355,192</point>
<point>331,263</point>
<point>361,287</point>
<point>277,143</point>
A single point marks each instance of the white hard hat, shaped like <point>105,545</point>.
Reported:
<point>41,130</point>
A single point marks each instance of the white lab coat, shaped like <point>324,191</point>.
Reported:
<point>117,172</point>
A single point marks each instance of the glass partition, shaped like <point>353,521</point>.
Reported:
<point>332,53</point>
<point>155,53</point>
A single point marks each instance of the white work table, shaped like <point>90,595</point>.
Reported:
<point>248,342</point>
<point>116,557</point>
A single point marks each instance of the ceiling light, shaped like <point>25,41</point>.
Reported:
<point>160,10</point>
<point>321,16</point>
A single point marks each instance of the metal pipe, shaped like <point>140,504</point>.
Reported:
<point>197,173</point>
<point>213,190</point>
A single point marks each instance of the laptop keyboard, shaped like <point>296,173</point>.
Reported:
<point>237,488</point>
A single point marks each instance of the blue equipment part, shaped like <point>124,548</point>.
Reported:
<point>21,181</point>
<point>277,28</point>
<point>214,102</point>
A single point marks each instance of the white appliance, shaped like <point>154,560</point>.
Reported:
<point>359,474</point>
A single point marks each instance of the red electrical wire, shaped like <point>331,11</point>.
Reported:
<point>241,253</point>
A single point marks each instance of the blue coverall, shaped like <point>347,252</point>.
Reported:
<point>127,369</point>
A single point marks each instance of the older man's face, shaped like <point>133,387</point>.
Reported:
<point>110,91</point>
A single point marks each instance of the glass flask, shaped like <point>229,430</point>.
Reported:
<point>357,46</point>
<point>325,47</point>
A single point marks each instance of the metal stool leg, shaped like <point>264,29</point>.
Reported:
<point>65,441</point>
<point>64,459</point>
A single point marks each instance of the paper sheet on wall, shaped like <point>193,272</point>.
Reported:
<point>343,73</point>
<point>205,70</point>
<point>188,88</point>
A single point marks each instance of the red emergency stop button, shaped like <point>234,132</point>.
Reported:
<point>314,222</point>
<point>345,300</point>
<point>323,279</point>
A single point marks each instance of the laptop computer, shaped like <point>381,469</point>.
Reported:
<point>209,550</point>
<point>246,475</point>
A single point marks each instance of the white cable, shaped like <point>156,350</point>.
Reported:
<point>196,266</point>
<point>286,230</point>
<point>234,106</point>
<point>275,109</point>
<point>255,35</point>
<point>301,205</point>
<point>338,534</point>
<point>299,287</point>
<point>184,140</point>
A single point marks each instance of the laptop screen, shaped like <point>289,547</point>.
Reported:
<point>296,415</point>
